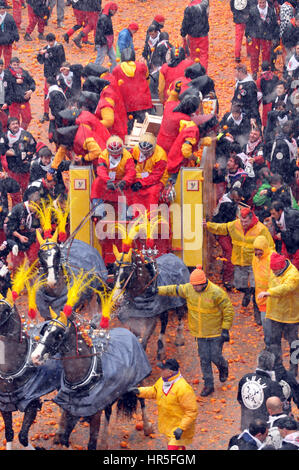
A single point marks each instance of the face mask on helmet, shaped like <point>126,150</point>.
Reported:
<point>115,149</point>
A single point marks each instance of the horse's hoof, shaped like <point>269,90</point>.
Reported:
<point>57,439</point>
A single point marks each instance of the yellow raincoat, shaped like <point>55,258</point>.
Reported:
<point>261,270</point>
<point>177,409</point>
<point>243,251</point>
<point>283,302</point>
<point>209,311</point>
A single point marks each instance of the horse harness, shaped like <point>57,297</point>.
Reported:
<point>24,368</point>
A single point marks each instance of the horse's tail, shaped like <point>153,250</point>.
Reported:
<point>127,404</point>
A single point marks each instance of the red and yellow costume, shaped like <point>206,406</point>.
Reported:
<point>152,174</point>
<point>168,75</point>
<point>124,171</point>
<point>133,80</point>
<point>89,142</point>
<point>111,110</point>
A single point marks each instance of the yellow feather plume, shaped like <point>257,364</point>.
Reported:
<point>44,210</point>
<point>32,289</point>
<point>24,273</point>
<point>77,284</point>
<point>61,215</point>
<point>108,302</point>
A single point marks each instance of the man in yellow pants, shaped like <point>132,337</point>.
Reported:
<point>210,316</point>
<point>177,406</point>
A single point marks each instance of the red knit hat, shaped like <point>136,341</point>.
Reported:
<point>277,262</point>
<point>245,211</point>
<point>159,18</point>
<point>39,146</point>
<point>133,26</point>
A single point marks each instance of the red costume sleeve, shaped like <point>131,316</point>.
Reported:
<point>175,156</point>
<point>130,175</point>
<point>155,175</point>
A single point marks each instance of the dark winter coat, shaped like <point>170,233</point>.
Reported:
<point>257,28</point>
<point>24,149</point>
<point>8,31</point>
<point>15,91</point>
<point>253,391</point>
<point>290,236</point>
<point>104,29</point>
<point>196,20</point>
<point>52,60</point>
<point>75,88</point>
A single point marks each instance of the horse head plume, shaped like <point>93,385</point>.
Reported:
<point>108,304</point>
<point>24,274</point>
<point>44,210</point>
<point>50,239</point>
<point>61,215</point>
<point>77,285</point>
<point>32,289</point>
<point>8,299</point>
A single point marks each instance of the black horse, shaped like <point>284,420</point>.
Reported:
<point>57,263</point>
<point>137,276</point>
<point>21,383</point>
<point>98,370</point>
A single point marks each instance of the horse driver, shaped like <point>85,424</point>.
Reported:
<point>151,172</point>
<point>115,173</point>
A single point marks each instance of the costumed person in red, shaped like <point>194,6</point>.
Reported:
<point>171,71</point>
<point>133,80</point>
<point>8,33</point>
<point>85,137</point>
<point>194,30</point>
<point>240,11</point>
<point>111,110</point>
<point>115,174</point>
<point>187,134</point>
<point>151,172</point>
<point>19,92</point>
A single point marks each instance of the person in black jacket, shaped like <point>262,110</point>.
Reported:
<point>8,33</point>
<point>226,211</point>
<point>288,428</point>
<point>290,35</point>
<point>21,85</point>
<point>52,57</point>
<point>21,226</point>
<point>7,186</point>
<point>251,438</point>
<point>38,14</point>
<point>256,387</point>
<point>104,35</point>
<point>246,94</point>
<point>236,124</point>
<point>284,153</point>
<point>195,29</point>
<point>262,31</point>
<point>20,148</point>
<point>57,102</point>
<point>4,78</point>
<point>69,79</point>
<point>41,163</point>
<point>240,11</point>
<point>286,224</point>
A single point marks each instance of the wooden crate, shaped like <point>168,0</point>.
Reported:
<point>151,124</point>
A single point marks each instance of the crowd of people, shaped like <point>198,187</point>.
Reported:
<point>90,110</point>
